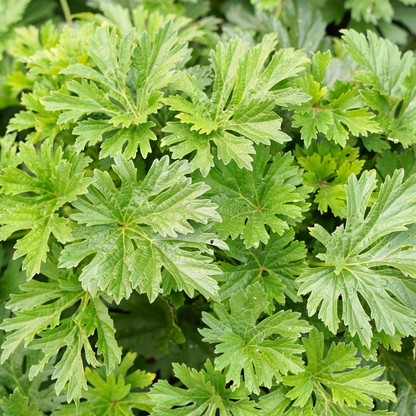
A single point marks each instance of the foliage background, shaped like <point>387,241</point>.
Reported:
<point>276,141</point>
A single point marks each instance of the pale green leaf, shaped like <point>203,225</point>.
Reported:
<point>369,261</point>
<point>327,169</point>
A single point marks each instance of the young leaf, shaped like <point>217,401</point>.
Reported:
<point>239,110</point>
<point>111,394</point>
<point>206,393</point>
<point>336,113</point>
<point>369,261</point>
<point>45,51</point>
<point>31,201</point>
<point>134,230</point>
<point>275,266</point>
<point>250,201</point>
<point>51,48</point>
<point>126,104</point>
<point>262,351</point>
<point>327,169</point>
<point>337,372</point>
<point>39,322</point>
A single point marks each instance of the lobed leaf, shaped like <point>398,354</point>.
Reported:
<point>135,230</point>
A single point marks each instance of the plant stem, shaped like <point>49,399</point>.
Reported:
<point>279,9</point>
<point>67,12</point>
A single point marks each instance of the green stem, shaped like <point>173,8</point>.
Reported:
<point>67,12</point>
<point>279,9</point>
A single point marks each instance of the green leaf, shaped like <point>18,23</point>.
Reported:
<point>111,395</point>
<point>385,67</point>
<point>51,48</point>
<point>35,116</point>
<point>302,25</point>
<point>126,104</point>
<point>32,201</point>
<point>327,169</point>
<point>379,340</point>
<point>12,12</point>
<point>276,403</point>
<point>134,230</point>
<point>335,113</point>
<point>150,16</point>
<point>369,261</point>
<point>39,321</point>
<point>375,143</point>
<point>44,51</point>
<point>17,404</point>
<point>389,161</point>
<point>8,156</point>
<point>370,11</point>
<point>335,379</point>
<point>298,24</point>
<point>262,351</point>
<point>275,266</point>
<point>401,372</point>
<point>391,79</point>
<point>14,375</point>
<point>206,393</point>
<point>250,201</point>
<point>239,111</point>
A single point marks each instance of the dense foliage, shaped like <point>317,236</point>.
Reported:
<point>208,207</point>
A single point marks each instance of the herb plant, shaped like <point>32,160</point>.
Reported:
<point>208,207</point>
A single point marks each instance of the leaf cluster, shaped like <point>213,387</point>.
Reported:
<point>207,208</point>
